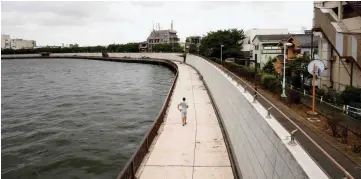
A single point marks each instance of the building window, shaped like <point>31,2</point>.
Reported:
<point>348,12</point>
<point>256,47</point>
<point>306,53</point>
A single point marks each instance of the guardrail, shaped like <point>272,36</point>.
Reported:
<point>268,105</point>
<point>130,169</point>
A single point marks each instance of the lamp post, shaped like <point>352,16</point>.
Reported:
<point>221,53</point>
<point>284,70</point>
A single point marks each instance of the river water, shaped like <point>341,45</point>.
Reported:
<point>72,118</point>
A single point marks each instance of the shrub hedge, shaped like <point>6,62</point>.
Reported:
<point>271,83</point>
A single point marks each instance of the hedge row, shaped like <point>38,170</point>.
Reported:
<point>267,81</point>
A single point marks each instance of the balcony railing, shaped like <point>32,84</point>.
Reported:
<point>323,21</point>
<point>272,51</point>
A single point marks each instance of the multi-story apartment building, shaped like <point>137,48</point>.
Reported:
<point>22,44</point>
<point>338,23</point>
<point>159,37</point>
<point>162,37</point>
<point>5,41</point>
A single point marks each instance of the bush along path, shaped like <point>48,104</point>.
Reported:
<point>342,144</point>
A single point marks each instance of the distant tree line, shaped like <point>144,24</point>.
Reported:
<point>129,47</point>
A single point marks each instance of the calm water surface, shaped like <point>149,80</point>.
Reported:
<point>70,118</point>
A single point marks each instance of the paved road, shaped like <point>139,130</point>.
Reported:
<point>196,150</point>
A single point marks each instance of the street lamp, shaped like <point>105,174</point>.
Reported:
<point>284,70</point>
<point>221,52</point>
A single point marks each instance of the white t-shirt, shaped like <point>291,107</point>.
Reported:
<point>183,106</point>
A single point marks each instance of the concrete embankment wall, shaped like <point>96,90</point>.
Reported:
<point>168,56</point>
<point>259,145</point>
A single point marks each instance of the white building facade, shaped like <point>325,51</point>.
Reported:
<point>266,47</point>
<point>22,44</point>
<point>5,41</point>
<point>248,47</point>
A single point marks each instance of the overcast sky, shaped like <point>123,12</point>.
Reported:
<point>103,23</point>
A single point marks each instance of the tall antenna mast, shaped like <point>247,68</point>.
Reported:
<point>171,25</point>
<point>158,26</point>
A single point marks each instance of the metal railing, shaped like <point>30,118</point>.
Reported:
<point>258,97</point>
<point>347,109</point>
<point>130,169</point>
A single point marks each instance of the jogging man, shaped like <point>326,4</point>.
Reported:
<point>183,110</point>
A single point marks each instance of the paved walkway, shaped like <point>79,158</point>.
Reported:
<point>196,150</point>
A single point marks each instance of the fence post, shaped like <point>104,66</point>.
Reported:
<point>304,92</point>
<point>344,108</point>
<point>292,141</point>
<point>347,109</point>
<point>269,113</point>
<point>321,99</point>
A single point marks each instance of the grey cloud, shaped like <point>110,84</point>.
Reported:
<point>58,13</point>
<point>147,4</point>
<point>218,4</point>
<point>93,23</point>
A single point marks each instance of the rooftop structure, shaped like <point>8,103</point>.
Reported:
<point>162,37</point>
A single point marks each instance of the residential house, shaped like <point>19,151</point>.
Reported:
<point>265,47</point>
<point>338,23</point>
<point>301,45</point>
<point>247,47</point>
<point>196,40</point>
<point>193,40</point>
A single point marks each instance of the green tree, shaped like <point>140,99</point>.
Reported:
<point>231,39</point>
<point>298,68</point>
<point>269,67</point>
<point>192,48</point>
